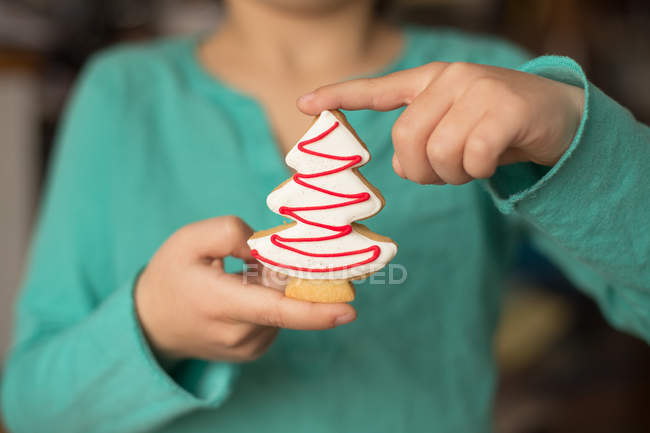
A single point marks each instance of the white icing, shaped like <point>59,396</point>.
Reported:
<point>295,195</point>
<point>353,241</point>
<point>340,142</point>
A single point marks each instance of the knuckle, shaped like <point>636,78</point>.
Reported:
<point>274,317</point>
<point>370,83</point>
<point>432,69</point>
<point>459,69</point>
<point>231,223</point>
<point>279,320</point>
<point>265,318</point>
<point>478,159</point>
<point>233,227</point>
<point>479,148</point>
<point>438,152</point>
<point>423,80</point>
<point>401,133</point>
<point>376,99</point>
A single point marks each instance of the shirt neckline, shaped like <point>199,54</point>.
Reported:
<point>259,146</point>
<point>214,84</point>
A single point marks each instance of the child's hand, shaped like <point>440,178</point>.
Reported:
<point>190,308</point>
<point>463,119</point>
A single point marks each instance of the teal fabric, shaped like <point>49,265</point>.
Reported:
<point>151,142</point>
<point>591,211</point>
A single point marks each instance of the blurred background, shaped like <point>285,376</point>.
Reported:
<point>563,368</point>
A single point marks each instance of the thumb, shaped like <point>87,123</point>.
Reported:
<point>252,303</point>
<point>216,238</point>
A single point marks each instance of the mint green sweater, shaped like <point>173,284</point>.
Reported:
<point>151,142</point>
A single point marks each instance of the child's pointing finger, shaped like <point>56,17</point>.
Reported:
<point>381,94</point>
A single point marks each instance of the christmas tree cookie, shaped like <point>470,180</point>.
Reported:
<point>323,249</point>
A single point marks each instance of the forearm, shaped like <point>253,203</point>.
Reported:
<point>592,206</point>
<point>98,375</point>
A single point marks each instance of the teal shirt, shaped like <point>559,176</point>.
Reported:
<point>151,142</point>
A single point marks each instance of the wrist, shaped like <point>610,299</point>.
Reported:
<point>575,102</point>
<point>164,354</point>
<point>577,97</point>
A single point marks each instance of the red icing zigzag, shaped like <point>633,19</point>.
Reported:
<point>340,231</point>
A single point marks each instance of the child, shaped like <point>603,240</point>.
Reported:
<point>120,330</point>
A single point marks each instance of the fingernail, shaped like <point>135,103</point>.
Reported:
<point>346,318</point>
<point>306,98</point>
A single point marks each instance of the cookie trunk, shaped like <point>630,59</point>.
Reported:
<point>325,291</point>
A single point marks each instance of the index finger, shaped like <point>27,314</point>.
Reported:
<point>381,94</point>
<point>264,306</point>
<point>216,238</point>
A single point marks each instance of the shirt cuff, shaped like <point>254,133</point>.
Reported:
<point>513,185</point>
<point>188,385</point>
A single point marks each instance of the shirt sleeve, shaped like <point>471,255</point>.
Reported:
<point>79,360</point>
<point>590,212</point>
